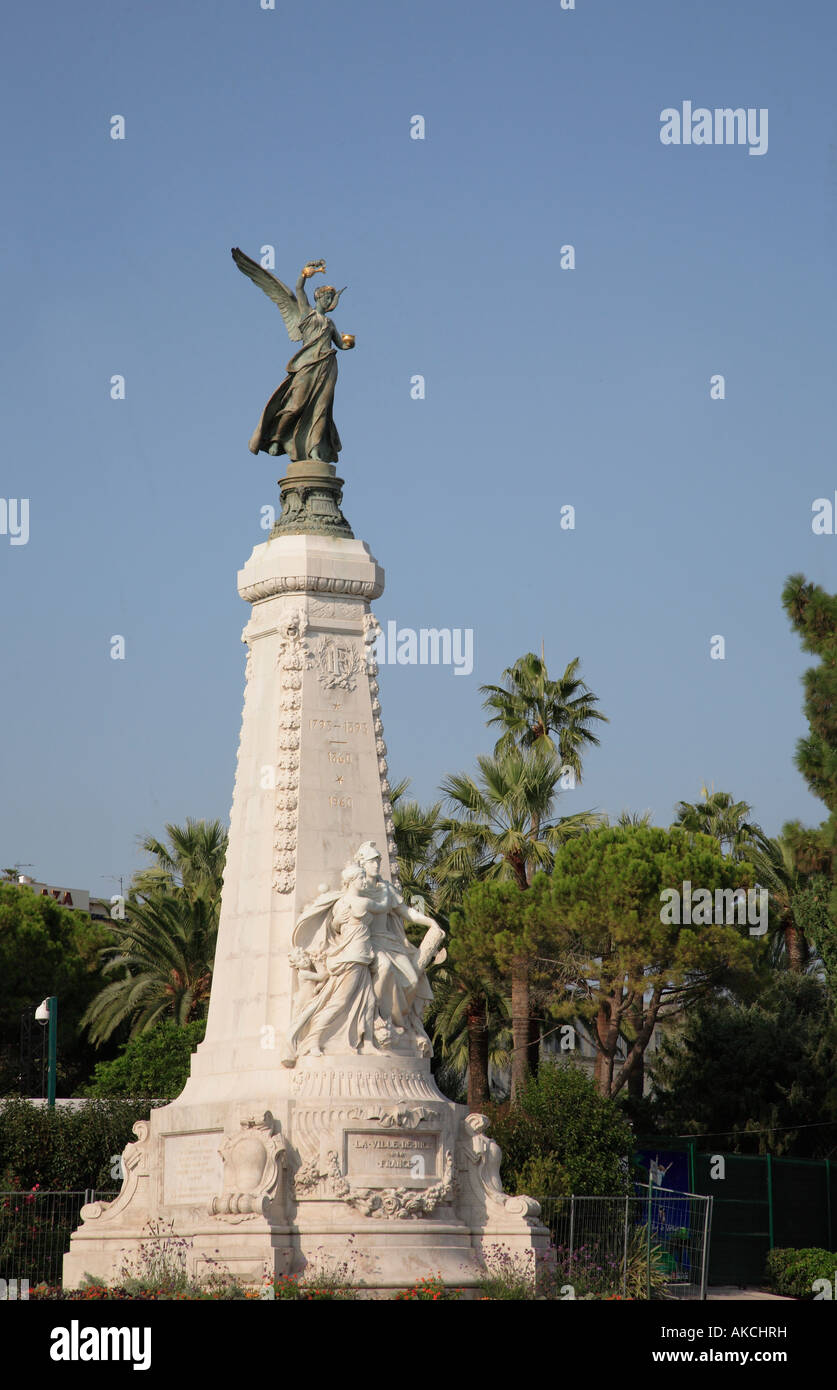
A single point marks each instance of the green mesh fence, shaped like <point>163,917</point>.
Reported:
<point>760,1203</point>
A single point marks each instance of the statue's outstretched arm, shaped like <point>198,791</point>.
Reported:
<point>344,341</point>
<point>301,297</point>
<point>310,268</point>
<point>412,914</point>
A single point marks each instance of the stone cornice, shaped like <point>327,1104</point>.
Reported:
<point>309,584</point>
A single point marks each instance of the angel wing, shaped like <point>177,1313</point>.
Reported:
<point>273,287</point>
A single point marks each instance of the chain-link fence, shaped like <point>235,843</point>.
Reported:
<point>35,1230</point>
<point>654,1244</point>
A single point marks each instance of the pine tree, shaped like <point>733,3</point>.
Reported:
<point>813,614</point>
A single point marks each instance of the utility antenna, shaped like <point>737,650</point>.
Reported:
<point>16,868</point>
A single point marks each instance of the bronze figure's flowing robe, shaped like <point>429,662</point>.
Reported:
<point>298,415</point>
<point>297,419</point>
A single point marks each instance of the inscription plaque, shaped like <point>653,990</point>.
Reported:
<point>391,1160</point>
<point>192,1166</point>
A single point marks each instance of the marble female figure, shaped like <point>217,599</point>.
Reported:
<point>360,983</point>
<point>340,1010</point>
<point>401,988</point>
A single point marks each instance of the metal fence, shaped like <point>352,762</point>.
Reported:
<point>759,1202</point>
<point>35,1230</point>
<point>654,1244</point>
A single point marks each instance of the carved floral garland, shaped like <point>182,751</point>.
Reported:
<point>371,633</point>
<point>398,1202</point>
<point>291,660</point>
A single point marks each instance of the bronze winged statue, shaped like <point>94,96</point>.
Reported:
<point>297,419</point>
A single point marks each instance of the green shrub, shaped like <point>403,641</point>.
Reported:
<point>65,1150</point>
<point>562,1131</point>
<point>153,1064</point>
<point>791,1273</point>
<point>543,1173</point>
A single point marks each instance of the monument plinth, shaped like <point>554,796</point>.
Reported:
<point>311,1113</point>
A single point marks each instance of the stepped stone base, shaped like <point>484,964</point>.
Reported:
<point>339,1174</point>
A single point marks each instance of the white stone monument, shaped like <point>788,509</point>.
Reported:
<point>311,1114</point>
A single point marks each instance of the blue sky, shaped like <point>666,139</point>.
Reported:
<point>544,386</point>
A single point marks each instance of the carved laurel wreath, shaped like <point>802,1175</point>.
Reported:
<point>352,664</point>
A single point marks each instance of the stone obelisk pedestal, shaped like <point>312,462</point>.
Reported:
<point>262,1166</point>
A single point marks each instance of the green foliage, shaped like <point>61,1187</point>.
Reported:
<point>330,1278</point>
<point>601,1267</point>
<point>544,1172</point>
<point>721,818</point>
<point>44,950</point>
<point>766,1065</point>
<point>416,830</point>
<point>63,1149</point>
<point>160,1263</point>
<point>163,965</point>
<point>512,1275</point>
<point>593,1269</point>
<point>504,827</point>
<point>798,900</point>
<point>813,914</point>
<point>607,891</point>
<point>166,946</point>
<point>622,965</point>
<point>791,1273</point>
<point>222,1287</point>
<point>561,1122</point>
<point>152,1064</point>
<point>813,613</point>
<point>31,1227</point>
<point>493,925</point>
<point>647,1268</point>
<point>191,862</point>
<point>530,707</point>
<point>461,1000</point>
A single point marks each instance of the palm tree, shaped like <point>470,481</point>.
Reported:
<point>626,819</point>
<point>165,957</point>
<point>530,708</point>
<point>416,839</point>
<point>470,1026</point>
<point>193,860</point>
<point>506,831</point>
<point>467,1017</point>
<point>166,946</point>
<point>790,867</point>
<point>725,820</point>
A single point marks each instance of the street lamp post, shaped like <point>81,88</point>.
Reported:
<point>47,1012</point>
